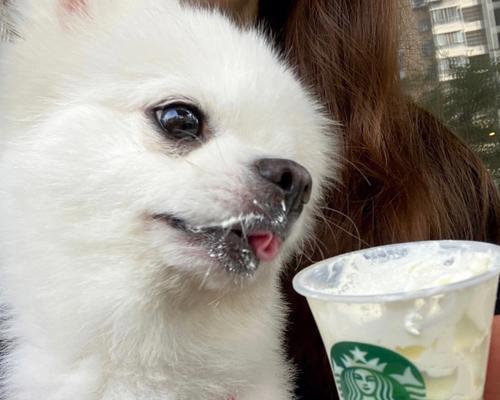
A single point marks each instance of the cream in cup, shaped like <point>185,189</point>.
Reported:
<point>406,321</point>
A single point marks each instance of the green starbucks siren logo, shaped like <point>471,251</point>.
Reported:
<point>366,372</point>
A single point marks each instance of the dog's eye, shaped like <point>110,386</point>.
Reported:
<point>180,121</point>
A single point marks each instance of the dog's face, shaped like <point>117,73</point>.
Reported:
<point>160,141</point>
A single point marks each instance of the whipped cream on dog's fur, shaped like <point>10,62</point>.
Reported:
<point>140,246</point>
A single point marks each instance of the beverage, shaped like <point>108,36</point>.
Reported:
<point>407,321</point>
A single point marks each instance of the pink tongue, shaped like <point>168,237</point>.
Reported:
<point>265,245</point>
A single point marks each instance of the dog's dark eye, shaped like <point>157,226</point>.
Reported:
<point>180,121</point>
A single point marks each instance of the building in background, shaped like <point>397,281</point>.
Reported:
<point>451,67</point>
<point>460,30</point>
<point>417,54</point>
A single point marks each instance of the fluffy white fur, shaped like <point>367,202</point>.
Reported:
<point>103,301</point>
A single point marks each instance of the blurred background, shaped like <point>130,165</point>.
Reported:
<point>450,65</point>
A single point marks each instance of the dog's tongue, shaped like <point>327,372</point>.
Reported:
<point>265,245</point>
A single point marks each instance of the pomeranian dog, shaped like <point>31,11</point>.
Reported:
<point>158,165</point>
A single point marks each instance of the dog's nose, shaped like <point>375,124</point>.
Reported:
<point>290,177</point>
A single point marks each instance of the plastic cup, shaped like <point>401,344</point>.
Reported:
<point>406,321</point>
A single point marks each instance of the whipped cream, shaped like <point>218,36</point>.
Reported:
<point>380,272</point>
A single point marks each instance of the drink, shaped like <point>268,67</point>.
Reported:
<point>408,321</point>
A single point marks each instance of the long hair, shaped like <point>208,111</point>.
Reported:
<point>404,177</point>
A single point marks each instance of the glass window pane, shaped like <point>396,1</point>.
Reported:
<point>457,73</point>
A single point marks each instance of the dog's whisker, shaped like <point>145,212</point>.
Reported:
<point>244,232</point>
<point>189,139</point>
<point>205,277</point>
<point>356,235</point>
<point>226,232</point>
<point>193,164</point>
<point>355,167</point>
<point>329,224</point>
<point>221,154</point>
<point>306,249</point>
<point>283,206</point>
<point>261,208</point>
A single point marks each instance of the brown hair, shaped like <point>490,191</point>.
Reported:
<point>405,176</point>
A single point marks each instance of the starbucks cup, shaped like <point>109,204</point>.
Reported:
<point>406,321</point>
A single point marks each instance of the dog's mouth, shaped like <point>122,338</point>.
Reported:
<point>239,243</point>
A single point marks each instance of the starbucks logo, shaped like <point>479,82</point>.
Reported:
<point>366,372</point>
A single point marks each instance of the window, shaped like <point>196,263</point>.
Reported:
<point>459,61</point>
<point>472,14</point>
<point>443,66</point>
<point>457,37</point>
<point>450,39</point>
<point>476,38</point>
<point>445,15</point>
<point>446,64</point>
<point>497,16</point>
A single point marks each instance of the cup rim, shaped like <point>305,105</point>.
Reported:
<point>300,288</point>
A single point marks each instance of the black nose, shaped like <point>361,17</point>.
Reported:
<point>291,178</point>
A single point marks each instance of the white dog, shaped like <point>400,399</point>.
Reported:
<point>156,166</point>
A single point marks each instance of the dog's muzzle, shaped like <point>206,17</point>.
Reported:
<point>256,234</point>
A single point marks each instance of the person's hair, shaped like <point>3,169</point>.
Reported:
<point>404,175</point>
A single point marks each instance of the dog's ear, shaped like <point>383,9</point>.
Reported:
<point>68,10</point>
<point>46,7</point>
<point>62,13</point>
<point>73,6</point>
